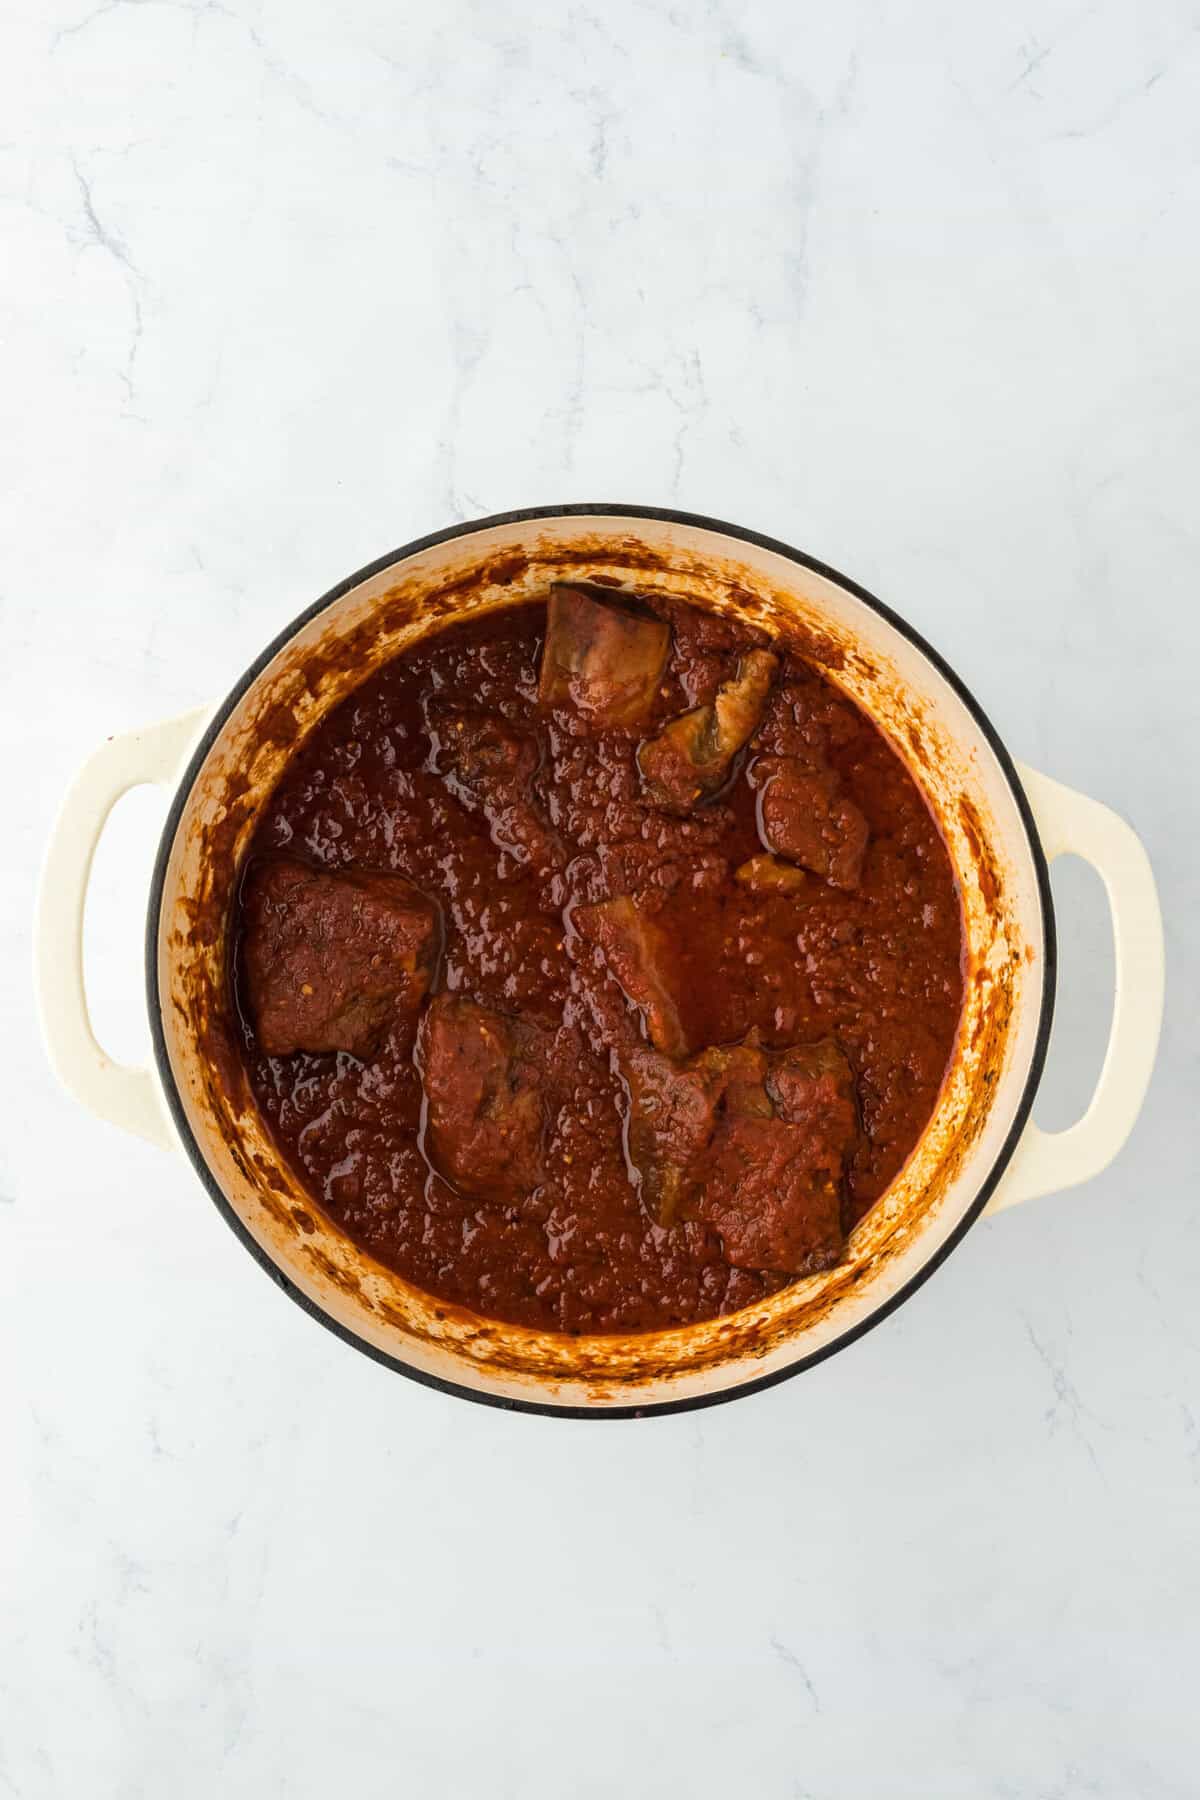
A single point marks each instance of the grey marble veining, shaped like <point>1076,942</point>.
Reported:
<point>915,288</point>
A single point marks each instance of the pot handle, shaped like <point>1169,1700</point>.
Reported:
<point>128,1097</point>
<point>1045,1161</point>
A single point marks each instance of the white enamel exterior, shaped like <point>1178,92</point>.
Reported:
<point>1066,821</point>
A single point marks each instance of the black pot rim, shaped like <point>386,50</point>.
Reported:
<point>740,533</point>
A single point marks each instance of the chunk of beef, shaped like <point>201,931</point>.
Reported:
<point>605,654</point>
<point>638,955</point>
<point>485,1121</point>
<point>333,961</point>
<point>689,759</point>
<point>480,750</point>
<point>490,765</point>
<point>774,1175</point>
<point>671,1119</point>
<point>752,1142</point>
<point>804,815</point>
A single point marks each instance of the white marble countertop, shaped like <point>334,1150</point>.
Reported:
<point>915,288</point>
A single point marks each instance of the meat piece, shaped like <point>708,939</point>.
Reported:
<point>804,815</point>
<point>333,961</point>
<point>485,1120</point>
<point>738,704</point>
<point>672,1116</point>
<point>638,955</point>
<point>481,751</point>
<point>770,875</point>
<point>806,1081</point>
<point>489,765</point>
<point>773,1178</point>
<point>690,758</point>
<point>752,1142</point>
<point>605,654</point>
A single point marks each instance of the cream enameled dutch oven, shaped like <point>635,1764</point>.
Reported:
<point>980,1151</point>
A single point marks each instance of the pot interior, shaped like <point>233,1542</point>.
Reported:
<point>888,675</point>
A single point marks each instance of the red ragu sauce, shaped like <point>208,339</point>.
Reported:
<point>599,964</point>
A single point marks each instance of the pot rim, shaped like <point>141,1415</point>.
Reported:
<point>699,521</point>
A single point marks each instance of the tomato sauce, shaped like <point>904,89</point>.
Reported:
<point>514,1178</point>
